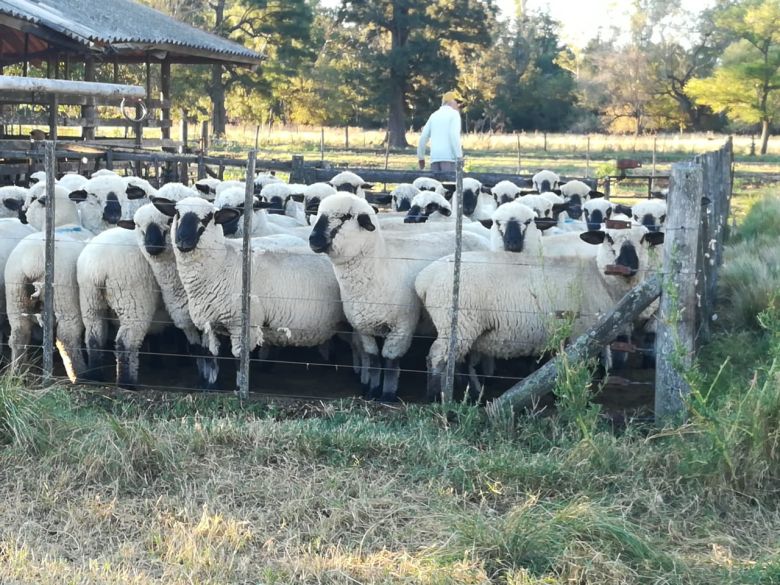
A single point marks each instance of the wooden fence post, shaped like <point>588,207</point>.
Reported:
<point>246,279</point>
<point>50,166</point>
<point>675,336</point>
<point>297,174</point>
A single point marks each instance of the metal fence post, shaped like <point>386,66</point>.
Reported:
<point>50,166</point>
<point>450,378</point>
<point>246,275</point>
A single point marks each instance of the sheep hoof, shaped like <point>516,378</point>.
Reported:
<point>374,393</point>
<point>388,399</point>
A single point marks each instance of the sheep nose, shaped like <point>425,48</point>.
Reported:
<point>154,240</point>
<point>404,205</point>
<point>513,237</point>
<point>113,210</point>
<point>318,241</point>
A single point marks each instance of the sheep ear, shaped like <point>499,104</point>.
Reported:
<point>653,238</point>
<point>558,207</point>
<point>257,189</point>
<point>367,186</point>
<point>608,212</point>
<point>12,204</point>
<point>544,223</point>
<point>593,237</point>
<point>364,221</point>
<point>260,204</point>
<point>447,212</point>
<point>375,208</point>
<point>135,192</point>
<point>203,188</point>
<point>450,187</point>
<point>164,206</point>
<point>78,196</point>
<point>42,200</point>
<point>705,201</point>
<point>662,219</point>
<point>226,214</point>
<point>557,192</point>
<point>624,209</point>
<point>486,189</point>
<point>596,194</point>
<point>127,224</point>
<point>488,223</point>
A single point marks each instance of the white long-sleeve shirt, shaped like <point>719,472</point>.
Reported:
<point>443,130</point>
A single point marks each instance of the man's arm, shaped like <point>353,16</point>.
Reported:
<point>424,136</point>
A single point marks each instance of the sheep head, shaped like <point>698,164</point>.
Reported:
<point>342,225</point>
<point>597,211</point>
<point>624,253</point>
<point>427,204</point>
<point>103,201</point>
<point>195,222</point>
<point>513,224</point>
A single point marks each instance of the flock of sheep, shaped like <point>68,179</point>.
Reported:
<point>130,258</point>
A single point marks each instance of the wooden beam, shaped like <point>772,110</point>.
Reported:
<point>587,346</point>
<point>676,331</point>
<point>165,97</point>
<point>88,110</point>
<point>61,86</point>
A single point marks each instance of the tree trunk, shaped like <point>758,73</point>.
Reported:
<point>764,136</point>
<point>217,95</point>
<point>396,123</point>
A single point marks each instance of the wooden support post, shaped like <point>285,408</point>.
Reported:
<point>50,166</point>
<point>110,159</point>
<point>26,61</point>
<point>322,145</point>
<point>204,137</point>
<point>449,380</point>
<point>165,96</point>
<point>519,165</point>
<point>675,337</point>
<point>53,109</point>
<point>201,167</point>
<point>184,129</point>
<point>545,141</point>
<point>587,346</point>
<point>88,110</point>
<point>346,137</point>
<point>297,174</point>
<point>246,279</point>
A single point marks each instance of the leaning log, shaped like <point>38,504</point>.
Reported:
<point>588,345</point>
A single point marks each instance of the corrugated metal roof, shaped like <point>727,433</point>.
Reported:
<point>112,22</point>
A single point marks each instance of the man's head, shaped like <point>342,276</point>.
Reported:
<point>452,99</point>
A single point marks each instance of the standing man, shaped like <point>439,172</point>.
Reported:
<point>443,130</point>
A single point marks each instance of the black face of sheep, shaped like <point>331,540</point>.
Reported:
<point>189,230</point>
<point>276,205</point>
<point>347,187</point>
<point>415,215</point>
<point>313,205</point>
<point>594,219</point>
<point>322,234</point>
<point>574,207</point>
<point>628,258</point>
<point>112,213</point>
<point>403,205</point>
<point>18,207</point>
<point>154,240</point>
<point>514,235</point>
<point>649,221</point>
<point>469,201</point>
<point>506,199</point>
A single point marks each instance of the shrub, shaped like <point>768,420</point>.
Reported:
<point>763,220</point>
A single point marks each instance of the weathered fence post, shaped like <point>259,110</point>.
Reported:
<point>204,136</point>
<point>517,138</point>
<point>322,145</point>
<point>346,137</point>
<point>675,337</point>
<point>50,166</point>
<point>297,172</point>
<point>246,275</point>
<point>587,158</point>
<point>449,381</point>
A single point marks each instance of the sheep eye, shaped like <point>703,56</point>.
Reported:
<point>610,240</point>
<point>636,217</point>
<point>527,222</point>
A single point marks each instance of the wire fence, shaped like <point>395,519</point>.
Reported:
<point>43,310</point>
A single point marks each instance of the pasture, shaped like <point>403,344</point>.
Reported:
<point>107,486</point>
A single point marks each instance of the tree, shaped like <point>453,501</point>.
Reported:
<point>406,46</point>
<point>745,83</point>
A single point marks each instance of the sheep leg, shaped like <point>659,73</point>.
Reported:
<point>208,368</point>
<point>474,384</point>
<point>390,383</point>
<point>96,334</point>
<point>374,367</point>
<point>128,343</point>
<point>21,331</point>
<point>69,343</point>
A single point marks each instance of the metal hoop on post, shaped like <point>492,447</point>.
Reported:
<point>140,104</point>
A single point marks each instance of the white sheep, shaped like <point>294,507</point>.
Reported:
<point>207,187</point>
<point>349,182</point>
<point>72,181</point>
<point>314,194</point>
<point>114,279</point>
<point>435,212</point>
<point>104,200</point>
<point>577,193</point>
<point>478,203</point>
<point>225,185</point>
<point>402,196</point>
<point>545,181</point>
<point>505,191</point>
<point>526,303</point>
<point>376,273</point>
<point>104,173</point>
<point>37,177</point>
<point>277,195</point>
<point>597,211</point>
<point>13,198</point>
<point>294,294</point>
<point>261,226</point>
<point>428,184</point>
<point>650,213</point>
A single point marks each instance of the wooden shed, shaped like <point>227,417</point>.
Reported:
<point>61,33</point>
